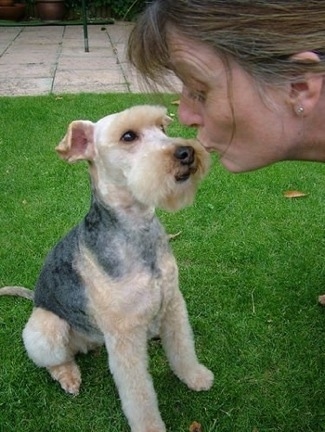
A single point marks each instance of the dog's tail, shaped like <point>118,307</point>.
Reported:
<point>17,291</point>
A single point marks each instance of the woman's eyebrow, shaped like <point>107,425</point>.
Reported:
<point>186,73</point>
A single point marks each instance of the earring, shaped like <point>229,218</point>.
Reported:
<point>299,110</point>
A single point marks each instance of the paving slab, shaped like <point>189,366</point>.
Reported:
<point>27,70</point>
<point>25,87</point>
<point>52,60</point>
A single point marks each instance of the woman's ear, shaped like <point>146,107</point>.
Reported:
<point>305,93</point>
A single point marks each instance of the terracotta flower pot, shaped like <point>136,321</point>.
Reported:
<point>15,12</point>
<point>6,3</point>
<point>50,10</point>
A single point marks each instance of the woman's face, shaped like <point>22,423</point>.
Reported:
<point>227,109</point>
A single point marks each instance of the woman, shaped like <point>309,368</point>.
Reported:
<point>253,74</point>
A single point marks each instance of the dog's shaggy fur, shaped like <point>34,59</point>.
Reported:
<point>113,278</point>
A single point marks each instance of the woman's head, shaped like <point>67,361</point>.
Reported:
<point>243,66</point>
<point>261,35</point>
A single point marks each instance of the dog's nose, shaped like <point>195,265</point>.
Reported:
<point>185,155</point>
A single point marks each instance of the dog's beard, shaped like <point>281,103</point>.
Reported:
<point>180,198</point>
<point>167,192</point>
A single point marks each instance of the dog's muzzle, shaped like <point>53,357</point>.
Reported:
<point>185,155</point>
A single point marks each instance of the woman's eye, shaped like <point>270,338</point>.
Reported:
<point>129,136</point>
<point>198,96</point>
<point>195,95</point>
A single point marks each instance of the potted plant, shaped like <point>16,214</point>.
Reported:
<point>50,10</point>
<point>12,11</point>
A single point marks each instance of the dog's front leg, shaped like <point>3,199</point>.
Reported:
<point>178,342</point>
<point>128,362</point>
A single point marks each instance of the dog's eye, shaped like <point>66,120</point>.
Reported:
<point>162,127</point>
<point>129,136</point>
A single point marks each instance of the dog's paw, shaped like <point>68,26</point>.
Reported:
<point>68,375</point>
<point>71,386</point>
<point>152,427</point>
<point>200,378</point>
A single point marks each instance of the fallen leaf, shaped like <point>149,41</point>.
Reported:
<point>175,102</point>
<point>195,427</point>
<point>294,194</point>
<point>172,236</point>
<point>321,300</point>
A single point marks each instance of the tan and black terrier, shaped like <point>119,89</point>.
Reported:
<point>113,279</point>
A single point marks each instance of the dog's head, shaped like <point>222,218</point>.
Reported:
<point>130,154</point>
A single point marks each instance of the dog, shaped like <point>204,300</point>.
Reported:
<point>113,279</point>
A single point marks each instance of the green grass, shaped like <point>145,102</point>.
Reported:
<point>251,267</point>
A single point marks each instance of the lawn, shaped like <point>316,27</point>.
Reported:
<point>251,268</point>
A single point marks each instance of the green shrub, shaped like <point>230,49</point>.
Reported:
<point>126,9</point>
<point>120,9</point>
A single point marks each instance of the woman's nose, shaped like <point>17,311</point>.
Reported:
<point>188,113</point>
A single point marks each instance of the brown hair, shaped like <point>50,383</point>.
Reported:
<point>260,35</point>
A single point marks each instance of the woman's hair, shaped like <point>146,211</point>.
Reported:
<point>259,35</point>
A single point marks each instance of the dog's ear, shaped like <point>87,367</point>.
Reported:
<point>78,143</point>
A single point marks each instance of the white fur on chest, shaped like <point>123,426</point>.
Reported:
<point>136,299</point>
